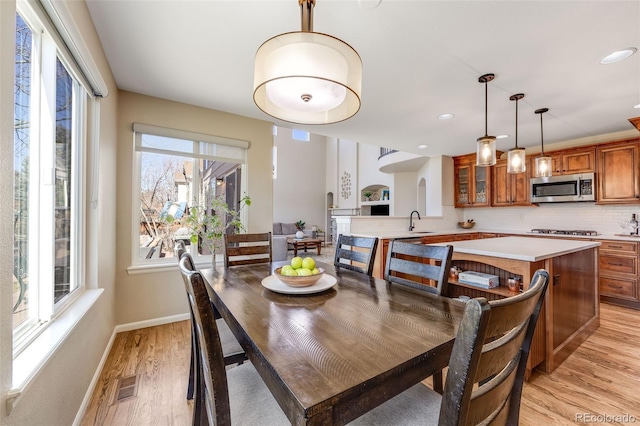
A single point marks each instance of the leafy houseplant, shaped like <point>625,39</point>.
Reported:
<point>367,195</point>
<point>300,225</point>
<point>210,227</point>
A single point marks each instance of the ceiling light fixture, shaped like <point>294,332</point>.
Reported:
<point>516,156</point>
<point>543,162</point>
<point>637,106</point>
<point>502,136</point>
<point>618,55</point>
<point>486,145</point>
<point>446,116</point>
<point>423,146</point>
<point>306,77</point>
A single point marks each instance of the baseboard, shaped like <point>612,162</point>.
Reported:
<point>119,329</point>
<point>150,323</point>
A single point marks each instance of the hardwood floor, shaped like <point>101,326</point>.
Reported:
<point>599,383</point>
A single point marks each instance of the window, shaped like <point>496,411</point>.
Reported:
<point>299,135</point>
<point>50,108</point>
<point>178,172</point>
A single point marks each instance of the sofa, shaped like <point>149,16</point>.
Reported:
<point>282,231</point>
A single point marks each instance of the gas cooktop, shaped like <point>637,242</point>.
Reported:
<point>564,231</point>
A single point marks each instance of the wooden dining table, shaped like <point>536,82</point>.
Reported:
<point>331,356</point>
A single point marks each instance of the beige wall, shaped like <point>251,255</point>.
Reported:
<point>154,295</point>
<point>55,395</point>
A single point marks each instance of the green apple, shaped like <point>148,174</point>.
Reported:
<point>308,263</point>
<point>289,272</point>
<point>315,271</point>
<point>296,262</point>
<point>303,272</point>
<point>286,267</point>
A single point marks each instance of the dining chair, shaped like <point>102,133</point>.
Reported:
<point>222,397</point>
<point>486,368</point>
<point>355,253</point>
<point>420,266</point>
<point>244,249</point>
<point>231,349</point>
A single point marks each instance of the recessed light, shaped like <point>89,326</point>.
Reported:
<point>502,136</point>
<point>637,106</point>
<point>446,116</point>
<point>618,55</point>
<point>423,146</point>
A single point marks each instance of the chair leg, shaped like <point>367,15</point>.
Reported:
<point>437,382</point>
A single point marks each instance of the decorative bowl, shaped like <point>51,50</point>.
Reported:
<point>466,225</point>
<point>305,281</point>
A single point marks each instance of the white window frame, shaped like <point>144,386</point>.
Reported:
<point>139,129</point>
<point>47,46</point>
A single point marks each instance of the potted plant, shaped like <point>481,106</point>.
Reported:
<point>208,226</point>
<point>300,227</point>
<point>367,195</point>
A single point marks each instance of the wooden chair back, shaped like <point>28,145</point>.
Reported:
<point>420,266</point>
<point>211,400</point>
<point>355,253</point>
<point>244,249</point>
<point>489,358</point>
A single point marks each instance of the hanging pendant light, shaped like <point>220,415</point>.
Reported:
<point>543,162</point>
<point>306,77</point>
<point>486,145</point>
<point>516,157</point>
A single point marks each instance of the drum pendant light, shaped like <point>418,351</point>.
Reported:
<point>306,77</point>
<point>486,145</point>
<point>516,158</point>
<point>543,162</point>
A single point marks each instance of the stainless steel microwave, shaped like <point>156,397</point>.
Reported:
<point>562,189</point>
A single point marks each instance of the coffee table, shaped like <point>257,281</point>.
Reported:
<point>304,243</point>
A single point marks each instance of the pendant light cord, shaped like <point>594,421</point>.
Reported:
<point>541,136</point>
<point>517,123</point>
<point>486,108</point>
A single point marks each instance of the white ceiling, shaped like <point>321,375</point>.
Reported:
<point>420,59</point>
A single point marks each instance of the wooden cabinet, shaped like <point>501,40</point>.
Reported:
<point>618,277</point>
<point>619,173</point>
<point>472,183</point>
<point>580,160</point>
<point>509,189</point>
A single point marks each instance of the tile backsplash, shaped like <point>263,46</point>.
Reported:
<point>587,216</point>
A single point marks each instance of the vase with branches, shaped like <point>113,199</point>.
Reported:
<point>207,226</point>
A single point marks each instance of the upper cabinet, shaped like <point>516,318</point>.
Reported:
<point>580,160</point>
<point>619,173</point>
<point>472,183</point>
<point>510,189</point>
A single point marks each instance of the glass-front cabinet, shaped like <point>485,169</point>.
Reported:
<point>472,183</point>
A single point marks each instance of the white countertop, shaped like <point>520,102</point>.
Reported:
<point>521,248</point>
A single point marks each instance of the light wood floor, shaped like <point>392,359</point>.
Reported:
<point>601,378</point>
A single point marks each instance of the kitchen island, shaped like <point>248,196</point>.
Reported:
<point>570,311</point>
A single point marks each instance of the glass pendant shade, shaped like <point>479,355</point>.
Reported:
<point>543,166</point>
<point>486,145</point>
<point>516,160</point>
<point>516,157</point>
<point>306,77</point>
<point>486,151</point>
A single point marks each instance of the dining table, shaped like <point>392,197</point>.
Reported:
<point>333,351</point>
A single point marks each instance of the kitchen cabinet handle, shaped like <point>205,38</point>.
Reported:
<point>614,264</point>
<point>615,247</point>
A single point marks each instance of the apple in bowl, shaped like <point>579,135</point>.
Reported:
<point>300,272</point>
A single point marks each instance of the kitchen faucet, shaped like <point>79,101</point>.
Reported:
<point>411,226</point>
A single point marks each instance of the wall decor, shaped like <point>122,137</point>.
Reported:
<point>346,185</point>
